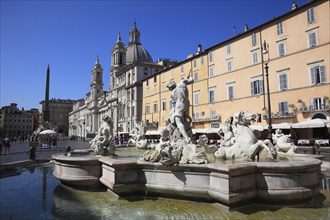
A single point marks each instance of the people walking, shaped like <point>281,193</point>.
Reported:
<point>1,144</point>
<point>7,146</point>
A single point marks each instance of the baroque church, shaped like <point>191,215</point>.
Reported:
<point>130,65</point>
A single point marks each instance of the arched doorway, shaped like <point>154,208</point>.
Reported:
<point>319,115</point>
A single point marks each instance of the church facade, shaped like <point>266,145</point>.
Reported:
<point>130,65</point>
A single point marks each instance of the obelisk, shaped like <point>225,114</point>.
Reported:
<point>46,115</point>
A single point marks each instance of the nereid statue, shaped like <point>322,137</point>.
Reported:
<point>103,142</point>
<point>283,142</point>
<point>245,144</point>
<point>137,137</point>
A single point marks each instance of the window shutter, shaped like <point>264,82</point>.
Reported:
<point>322,74</point>
<point>286,107</point>
<point>280,107</point>
<point>252,88</point>
<point>309,16</point>
<point>261,85</point>
<point>312,39</point>
<point>312,104</point>
<point>313,78</point>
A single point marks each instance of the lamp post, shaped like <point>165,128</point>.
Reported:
<point>119,106</point>
<point>270,128</point>
<point>84,123</point>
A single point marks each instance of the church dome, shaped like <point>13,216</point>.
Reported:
<point>137,53</point>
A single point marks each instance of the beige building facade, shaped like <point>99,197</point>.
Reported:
<point>231,75</point>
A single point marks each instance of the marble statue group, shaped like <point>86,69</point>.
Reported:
<point>177,145</point>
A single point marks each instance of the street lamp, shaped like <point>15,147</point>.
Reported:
<point>84,123</point>
<point>119,112</point>
<point>270,128</point>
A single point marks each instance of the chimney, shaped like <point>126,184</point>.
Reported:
<point>199,49</point>
<point>234,29</point>
<point>294,6</point>
<point>246,28</point>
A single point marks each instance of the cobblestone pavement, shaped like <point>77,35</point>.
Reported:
<point>19,152</point>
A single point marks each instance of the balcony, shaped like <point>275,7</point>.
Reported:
<point>149,125</point>
<point>314,108</point>
<point>280,115</point>
<point>213,118</point>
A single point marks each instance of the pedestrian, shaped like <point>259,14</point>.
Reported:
<point>1,143</point>
<point>7,146</point>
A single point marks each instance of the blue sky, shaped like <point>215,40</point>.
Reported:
<point>68,35</point>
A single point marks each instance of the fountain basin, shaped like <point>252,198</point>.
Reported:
<point>79,169</point>
<point>229,184</point>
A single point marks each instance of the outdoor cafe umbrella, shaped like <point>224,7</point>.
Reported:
<point>283,125</point>
<point>313,123</point>
<point>48,132</point>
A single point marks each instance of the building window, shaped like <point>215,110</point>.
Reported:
<point>283,80</point>
<point>128,112</point>
<point>133,94</point>
<point>148,109</point>
<point>228,49</point>
<point>230,91</point>
<point>229,65</point>
<point>254,39</point>
<point>317,74</point>
<point>132,111</point>
<point>255,58</point>
<point>196,115</point>
<point>155,79</point>
<point>195,63</point>
<point>317,103</point>
<point>257,86</point>
<point>211,95</point>
<point>163,76</point>
<point>155,107</point>
<point>283,108</point>
<point>279,28</point>
<point>211,57</point>
<point>312,38</point>
<point>310,15</point>
<point>195,76</point>
<point>202,60</point>
<point>147,82</point>
<point>164,105</point>
<point>281,48</point>
<point>196,98</point>
<point>182,68</point>
<point>211,74</point>
<point>213,114</point>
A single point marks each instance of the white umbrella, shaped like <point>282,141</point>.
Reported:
<point>313,123</point>
<point>257,127</point>
<point>48,132</point>
<point>283,125</point>
<point>153,132</point>
<point>211,130</point>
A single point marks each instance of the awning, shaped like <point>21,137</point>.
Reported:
<point>313,123</point>
<point>152,132</point>
<point>209,130</point>
<point>283,125</point>
<point>257,127</point>
<point>48,132</point>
